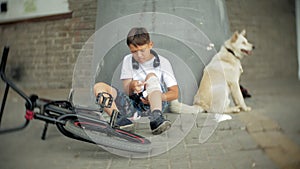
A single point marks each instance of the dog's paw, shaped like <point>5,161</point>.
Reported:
<point>236,109</point>
<point>230,110</point>
<point>246,108</point>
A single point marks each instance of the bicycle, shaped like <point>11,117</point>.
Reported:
<point>75,122</point>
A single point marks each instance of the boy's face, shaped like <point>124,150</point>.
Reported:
<point>141,53</point>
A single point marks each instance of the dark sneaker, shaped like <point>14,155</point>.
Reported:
<point>158,123</point>
<point>124,123</point>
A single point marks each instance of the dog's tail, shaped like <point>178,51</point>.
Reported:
<point>178,107</point>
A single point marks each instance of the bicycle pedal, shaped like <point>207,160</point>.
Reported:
<point>104,99</point>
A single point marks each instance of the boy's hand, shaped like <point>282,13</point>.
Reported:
<point>137,86</point>
<point>145,100</point>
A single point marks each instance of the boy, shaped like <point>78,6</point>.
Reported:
<point>143,74</point>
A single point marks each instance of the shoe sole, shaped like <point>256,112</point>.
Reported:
<point>162,128</point>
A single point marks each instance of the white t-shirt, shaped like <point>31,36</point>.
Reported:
<point>163,72</point>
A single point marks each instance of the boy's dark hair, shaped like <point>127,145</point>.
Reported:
<point>138,36</point>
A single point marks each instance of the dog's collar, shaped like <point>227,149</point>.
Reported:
<point>231,51</point>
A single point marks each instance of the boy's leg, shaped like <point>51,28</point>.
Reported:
<point>122,120</point>
<point>158,123</point>
<point>154,92</point>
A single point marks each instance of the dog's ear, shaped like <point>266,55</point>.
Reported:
<point>243,32</point>
<point>234,37</point>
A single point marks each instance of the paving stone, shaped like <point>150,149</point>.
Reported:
<point>224,125</point>
<point>212,165</point>
<point>179,164</point>
<point>270,125</point>
<point>236,123</point>
<point>231,146</point>
<point>247,143</point>
<point>281,157</point>
<point>139,163</point>
<point>159,163</point>
<point>260,160</point>
<point>263,140</point>
<point>197,153</point>
<point>214,149</point>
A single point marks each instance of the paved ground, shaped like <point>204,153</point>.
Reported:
<point>265,138</point>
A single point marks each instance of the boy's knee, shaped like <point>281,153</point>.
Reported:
<point>149,75</point>
<point>100,87</point>
<point>153,84</point>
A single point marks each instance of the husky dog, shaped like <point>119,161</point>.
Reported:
<point>221,80</point>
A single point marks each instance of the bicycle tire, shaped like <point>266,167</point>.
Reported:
<point>113,140</point>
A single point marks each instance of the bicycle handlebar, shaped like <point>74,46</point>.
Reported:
<point>29,104</point>
<point>4,59</point>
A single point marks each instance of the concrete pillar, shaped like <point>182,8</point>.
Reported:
<point>188,33</point>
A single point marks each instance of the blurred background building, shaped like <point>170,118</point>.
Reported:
<point>45,37</point>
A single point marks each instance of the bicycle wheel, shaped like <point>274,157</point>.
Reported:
<point>104,135</point>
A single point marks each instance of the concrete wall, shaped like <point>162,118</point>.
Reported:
<point>271,27</point>
<point>43,53</point>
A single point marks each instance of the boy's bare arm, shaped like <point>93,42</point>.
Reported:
<point>126,86</point>
<point>171,94</point>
